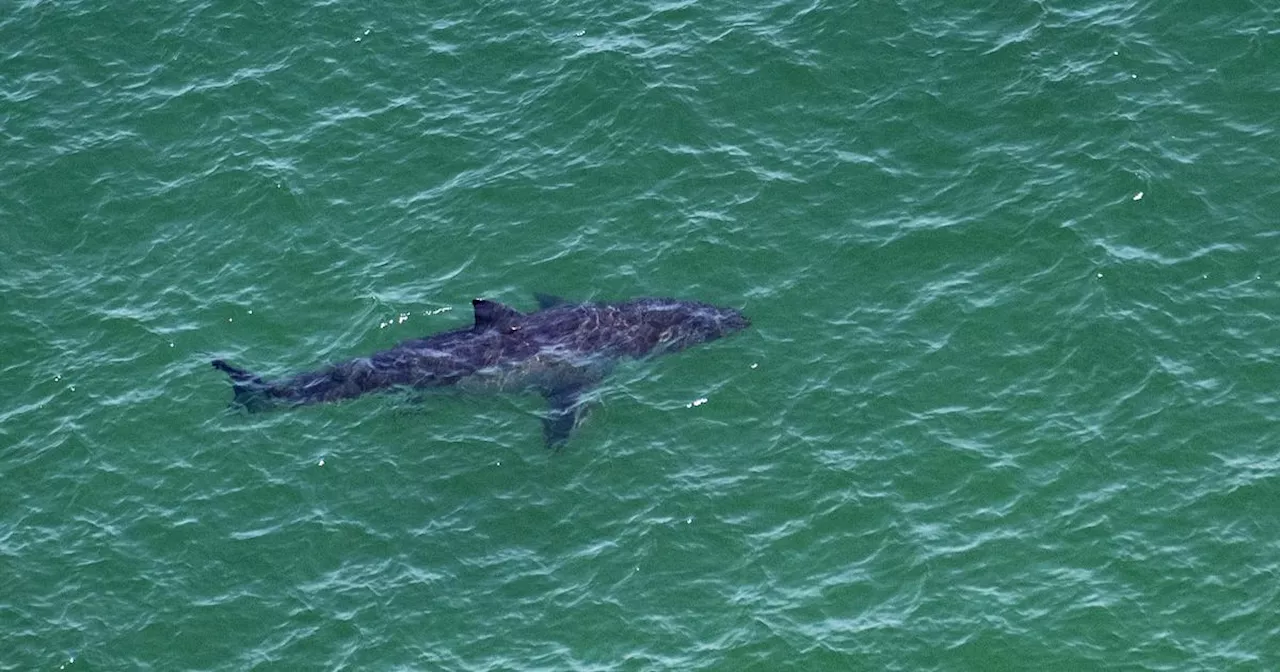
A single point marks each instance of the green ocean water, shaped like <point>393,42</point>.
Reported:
<point>1009,402</point>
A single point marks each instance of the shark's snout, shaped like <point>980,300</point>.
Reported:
<point>732,321</point>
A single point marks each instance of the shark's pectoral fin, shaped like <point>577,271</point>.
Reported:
<point>565,412</point>
<point>546,301</point>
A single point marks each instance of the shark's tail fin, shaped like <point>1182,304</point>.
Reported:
<point>250,390</point>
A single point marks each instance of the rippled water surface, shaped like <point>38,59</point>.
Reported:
<point>1009,402</point>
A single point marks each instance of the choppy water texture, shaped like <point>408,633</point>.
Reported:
<point>1010,400</point>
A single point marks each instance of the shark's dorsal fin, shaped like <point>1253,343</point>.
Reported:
<point>546,301</point>
<point>494,315</point>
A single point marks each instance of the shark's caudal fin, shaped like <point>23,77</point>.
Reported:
<point>250,390</point>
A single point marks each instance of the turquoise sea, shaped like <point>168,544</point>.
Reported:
<point>1010,401</point>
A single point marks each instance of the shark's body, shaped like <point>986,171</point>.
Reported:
<point>560,351</point>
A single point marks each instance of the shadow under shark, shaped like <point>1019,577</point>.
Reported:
<point>560,351</point>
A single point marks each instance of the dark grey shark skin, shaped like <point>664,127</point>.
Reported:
<point>560,351</point>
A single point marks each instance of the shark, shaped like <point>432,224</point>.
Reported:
<point>561,350</point>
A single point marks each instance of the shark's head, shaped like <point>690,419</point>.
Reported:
<point>676,325</point>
